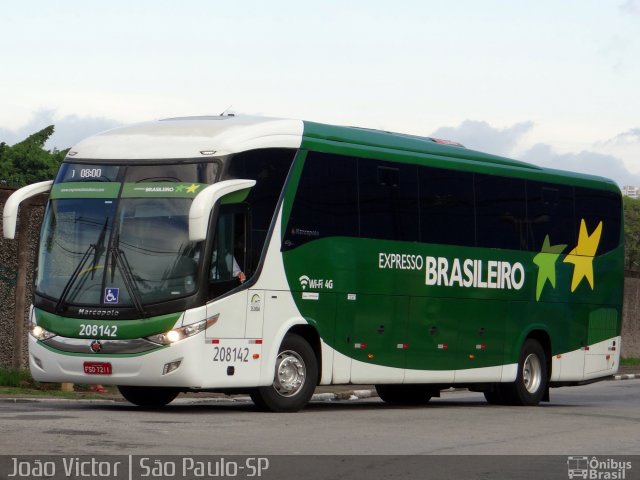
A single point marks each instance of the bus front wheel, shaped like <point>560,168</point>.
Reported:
<point>149,397</point>
<point>294,380</point>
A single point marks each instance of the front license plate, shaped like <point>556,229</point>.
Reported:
<point>97,368</point>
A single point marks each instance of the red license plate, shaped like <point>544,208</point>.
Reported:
<point>97,368</point>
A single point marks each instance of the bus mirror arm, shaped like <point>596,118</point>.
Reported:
<point>204,202</point>
<point>10,213</point>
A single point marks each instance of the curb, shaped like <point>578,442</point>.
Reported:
<point>56,400</point>
<point>347,395</point>
<point>318,397</point>
<point>627,376</point>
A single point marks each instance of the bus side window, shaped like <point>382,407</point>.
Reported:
<point>446,207</point>
<point>501,212</point>
<point>229,255</point>
<point>596,206</point>
<point>326,202</point>
<point>388,200</point>
<point>550,212</point>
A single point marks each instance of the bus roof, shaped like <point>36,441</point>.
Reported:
<point>206,136</point>
<point>189,138</point>
<point>454,155</point>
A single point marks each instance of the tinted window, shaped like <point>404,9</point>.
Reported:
<point>501,214</point>
<point>550,212</point>
<point>326,201</point>
<point>595,206</point>
<point>269,168</point>
<point>446,206</point>
<point>180,172</point>
<point>80,172</point>
<point>388,194</point>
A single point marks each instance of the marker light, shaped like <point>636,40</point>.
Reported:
<point>171,366</point>
<point>40,333</point>
<point>177,334</point>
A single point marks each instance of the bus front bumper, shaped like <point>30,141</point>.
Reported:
<point>174,365</point>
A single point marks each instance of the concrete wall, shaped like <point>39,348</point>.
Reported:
<point>631,317</point>
<point>8,277</point>
<point>8,274</point>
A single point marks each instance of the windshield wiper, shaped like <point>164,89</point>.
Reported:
<point>98,248</point>
<point>120,259</point>
<point>74,276</point>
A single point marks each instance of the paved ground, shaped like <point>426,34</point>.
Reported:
<point>601,418</point>
<point>337,392</point>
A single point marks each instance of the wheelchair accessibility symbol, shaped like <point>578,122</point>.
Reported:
<point>111,295</point>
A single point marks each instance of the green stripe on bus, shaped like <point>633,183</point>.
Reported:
<point>162,190</point>
<point>126,329</point>
<point>85,190</point>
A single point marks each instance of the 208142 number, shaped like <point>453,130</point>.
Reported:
<point>89,330</point>
<point>230,354</point>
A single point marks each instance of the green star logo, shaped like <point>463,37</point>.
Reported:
<point>180,188</point>
<point>546,262</point>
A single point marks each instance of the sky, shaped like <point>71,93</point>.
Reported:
<point>551,82</point>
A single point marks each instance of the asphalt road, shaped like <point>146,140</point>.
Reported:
<point>598,419</point>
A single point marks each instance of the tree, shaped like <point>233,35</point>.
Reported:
<point>631,208</point>
<point>28,161</point>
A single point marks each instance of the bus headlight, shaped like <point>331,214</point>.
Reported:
<point>40,333</point>
<point>177,334</point>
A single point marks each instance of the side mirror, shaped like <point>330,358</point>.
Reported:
<point>204,202</point>
<point>10,213</point>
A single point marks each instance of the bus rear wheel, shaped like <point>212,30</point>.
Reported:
<point>148,397</point>
<point>294,380</point>
<point>405,394</point>
<point>532,380</point>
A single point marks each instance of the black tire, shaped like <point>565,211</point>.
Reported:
<point>405,394</point>
<point>149,397</point>
<point>294,380</point>
<point>496,396</point>
<point>532,380</point>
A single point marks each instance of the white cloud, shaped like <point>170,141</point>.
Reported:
<point>625,145</point>
<point>478,135</point>
<point>69,129</point>
<point>631,6</point>
<point>631,136</point>
<point>586,161</point>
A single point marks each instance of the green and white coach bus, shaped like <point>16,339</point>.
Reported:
<point>243,254</point>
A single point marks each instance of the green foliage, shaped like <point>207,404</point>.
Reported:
<point>631,233</point>
<point>630,361</point>
<point>28,161</point>
<point>10,377</point>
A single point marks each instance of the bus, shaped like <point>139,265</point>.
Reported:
<point>268,256</point>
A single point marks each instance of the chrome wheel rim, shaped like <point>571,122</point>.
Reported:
<point>291,373</point>
<point>532,373</point>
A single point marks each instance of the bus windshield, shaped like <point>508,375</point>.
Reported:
<point>150,235</point>
<point>128,247</point>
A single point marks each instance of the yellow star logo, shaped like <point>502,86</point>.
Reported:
<point>193,188</point>
<point>582,255</point>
